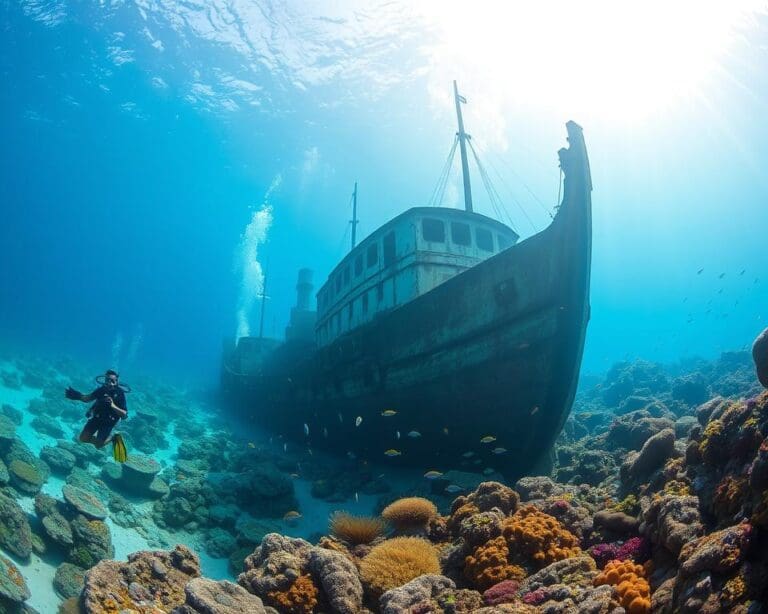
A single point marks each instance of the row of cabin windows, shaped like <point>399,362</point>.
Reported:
<point>334,322</point>
<point>371,259</point>
<point>433,231</point>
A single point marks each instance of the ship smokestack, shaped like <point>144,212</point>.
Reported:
<point>304,289</point>
<point>302,324</point>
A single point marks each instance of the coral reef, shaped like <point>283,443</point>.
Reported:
<point>355,530</point>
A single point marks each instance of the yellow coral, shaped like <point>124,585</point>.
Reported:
<point>677,487</point>
<point>628,505</point>
<point>356,530</point>
<point>462,512</point>
<point>729,496</point>
<point>629,579</point>
<point>409,512</point>
<point>300,598</point>
<point>396,561</point>
<point>538,538</point>
<point>489,564</point>
<point>713,430</point>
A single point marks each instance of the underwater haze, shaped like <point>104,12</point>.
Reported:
<point>161,162</point>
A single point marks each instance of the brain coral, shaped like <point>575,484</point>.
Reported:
<point>489,564</point>
<point>409,512</point>
<point>300,598</point>
<point>396,561</point>
<point>632,587</point>
<point>538,538</point>
<point>355,530</point>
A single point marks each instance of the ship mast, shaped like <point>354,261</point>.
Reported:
<point>354,216</point>
<point>463,136</point>
<point>263,302</point>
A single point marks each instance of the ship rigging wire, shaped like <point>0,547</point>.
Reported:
<point>442,181</point>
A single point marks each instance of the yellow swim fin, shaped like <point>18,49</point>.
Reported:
<point>119,451</point>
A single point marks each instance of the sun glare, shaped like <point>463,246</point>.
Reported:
<point>613,59</point>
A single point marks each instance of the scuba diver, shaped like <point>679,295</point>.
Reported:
<point>109,408</point>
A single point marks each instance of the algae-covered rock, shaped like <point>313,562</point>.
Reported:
<point>92,542</point>
<point>13,414</point>
<point>220,543</point>
<point>15,533</point>
<point>7,431</point>
<point>339,579</point>
<point>84,502</point>
<point>204,596</point>
<point>160,577</point>
<point>58,459</point>
<point>13,587</point>
<point>138,473</point>
<point>47,425</point>
<point>5,477</point>
<point>68,580</point>
<point>57,529</point>
<point>25,477</point>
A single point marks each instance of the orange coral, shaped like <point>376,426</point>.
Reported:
<point>396,561</point>
<point>356,530</point>
<point>632,587</point>
<point>489,564</point>
<point>538,538</point>
<point>409,512</point>
<point>300,598</point>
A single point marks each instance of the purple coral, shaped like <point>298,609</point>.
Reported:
<point>602,553</point>
<point>535,597</point>
<point>503,592</point>
<point>636,548</point>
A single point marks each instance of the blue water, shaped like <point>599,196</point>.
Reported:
<point>138,141</point>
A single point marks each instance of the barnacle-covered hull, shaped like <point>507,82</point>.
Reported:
<point>494,351</point>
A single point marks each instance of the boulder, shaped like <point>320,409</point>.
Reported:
<point>13,587</point>
<point>652,456</point>
<point>204,596</point>
<point>84,502</point>
<point>15,533</point>
<point>68,580</point>
<point>58,459</point>
<point>138,473</point>
<point>57,529</point>
<point>338,577</point>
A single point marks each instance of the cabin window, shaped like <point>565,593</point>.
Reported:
<point>346,275</point>
<point>358,265</point>
<point>380,292</point>
<point>460,233</point>
<point>338,284</point>
<point>389,248</point>
<point>365,302</point>
<point>373,254</point>
<point>433,230</point>
<point>484,239</point>
<point>504,242</point>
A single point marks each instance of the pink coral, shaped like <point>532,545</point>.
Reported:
<point>636,548</point>
<point>503,592</point>
<point>535,597</point>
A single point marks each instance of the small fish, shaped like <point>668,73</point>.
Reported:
<point>294,475</point>
<point>468,454</point>
<point>721,275</point>
<point>306,429</point>
<point>445,430</point>
<point>397,434</point>
<point>251,445</point>
<point>499,450</point>
<point>291,516</point>
<point>452,488</point>
<point>534,410</point>
<point>524,345</point>
<point>699,272</point>
<point>357,499</point>
<point>392,452</point>
<point>358,420</point>
<point>285,447</point>
<point>325,432</point>
<point>388,412</point>
<point>351,455</point>
<point>487,471</point>
<point>432,475</point>
<point>743,271</point>
<point>488,439</point>
<point>310,451</point>
<point>414,434</point>
<point>477,461</point>
<point>340,418</point>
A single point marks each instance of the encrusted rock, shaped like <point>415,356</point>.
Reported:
<point>338,577</point>
<point>13,588</point>
<point>275,564</point>
<point>672,521</point>
<point>403,598</point>
<point>68,580</point>
<point>107,584</point>
<point>652,456</point>
<point>15,533</point>
<point>84,502</point>
<point>59,460</point>
<point>206,596</point>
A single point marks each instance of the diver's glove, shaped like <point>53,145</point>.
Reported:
<point>73,394</point>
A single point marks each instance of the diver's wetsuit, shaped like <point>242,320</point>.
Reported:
<point>104,418</point>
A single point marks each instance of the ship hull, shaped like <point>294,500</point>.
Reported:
<point>491,355</point>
